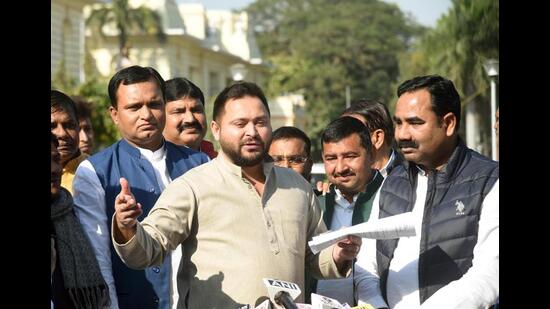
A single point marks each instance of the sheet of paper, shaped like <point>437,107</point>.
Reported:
<point>397,226</point>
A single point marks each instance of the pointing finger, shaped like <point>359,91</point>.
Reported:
<point>125,187</point>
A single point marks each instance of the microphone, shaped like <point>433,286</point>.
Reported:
<point>282,292</point>
<point>282,298</point>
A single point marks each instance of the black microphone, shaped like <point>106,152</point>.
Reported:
<point>282,292</point>
<point>282,298</point>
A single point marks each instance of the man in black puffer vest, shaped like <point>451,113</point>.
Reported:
<point>453,192</point>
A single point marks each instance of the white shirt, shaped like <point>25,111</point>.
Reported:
<point>478,288</point>
<point>384,170</point>
<point>339,289</point>
<point>90,208</point>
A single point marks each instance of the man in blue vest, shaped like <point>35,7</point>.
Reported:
<point>348,157</point>
<point>149,163</point>
<point>452,191</point>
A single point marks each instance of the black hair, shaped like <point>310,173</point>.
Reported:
<point>343,127</point>
<point>237,91</point>
<point>181,87</point>
<point>444,96</point>
<point>61,101</point>
<point>377,116</point>
<point>292,132</point>
<point>133,75</point>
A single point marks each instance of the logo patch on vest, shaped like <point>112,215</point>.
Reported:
<point>459,208</point>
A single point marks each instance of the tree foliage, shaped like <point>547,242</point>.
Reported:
<point>318,47</point>
<point>94,90</point>
<point>456,48</point>
<point>127,21</point>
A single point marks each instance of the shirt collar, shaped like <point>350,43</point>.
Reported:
<point>384,170</point>
<point>341,201</point>
<point>150,155</point>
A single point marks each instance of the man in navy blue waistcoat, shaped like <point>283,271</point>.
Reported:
<point>149,163</point>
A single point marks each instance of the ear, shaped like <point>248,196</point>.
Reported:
<point>377,138</point>
<point>449,123</point>
<point>114,114</point>
<point>215,130</point>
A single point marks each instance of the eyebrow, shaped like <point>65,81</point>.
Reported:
<point>134,104</point>
<point>414,119</point>
<point>410,119</point>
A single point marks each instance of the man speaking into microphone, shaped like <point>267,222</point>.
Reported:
<point>239,218</point>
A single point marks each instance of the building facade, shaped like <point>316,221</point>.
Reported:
<point>67,27</point>
<point>211,48</point>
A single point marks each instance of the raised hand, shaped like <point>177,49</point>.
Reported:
<point>322,187</point>
<point>126,213</point>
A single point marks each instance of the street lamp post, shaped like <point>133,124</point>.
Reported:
<point>491,68</point>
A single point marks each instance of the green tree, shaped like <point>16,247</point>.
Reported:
<point>320,47</point>
<point>127,21</point>
<point>456,48</point>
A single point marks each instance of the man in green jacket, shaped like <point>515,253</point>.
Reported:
<point>348,157</point>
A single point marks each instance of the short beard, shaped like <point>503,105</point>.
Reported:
<point>240,160</point>
<point>246,162</point>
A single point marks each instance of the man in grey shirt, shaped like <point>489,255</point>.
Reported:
<point>239,218</point>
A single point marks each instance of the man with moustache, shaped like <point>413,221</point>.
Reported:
<point>64,125</point>
<point>379,124</point>
<point>185,117</point>
<point>348,156</point>
<point>452,191</point>
<point>239,218</point>
<point>149,163</point>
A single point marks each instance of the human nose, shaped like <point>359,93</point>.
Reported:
<point>145,112</point>
<point>189,117</point>
<point>251,129</point>
<point>340,165</point>
<point>402,133</point>
<point>83,136</point>
<point>59,131</point>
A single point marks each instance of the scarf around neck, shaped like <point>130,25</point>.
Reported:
<point>79,268</point>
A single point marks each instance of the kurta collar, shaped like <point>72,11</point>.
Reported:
<point>237,170</point>
<point>142,152</point>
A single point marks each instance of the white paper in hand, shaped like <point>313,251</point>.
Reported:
<point>397,226</point>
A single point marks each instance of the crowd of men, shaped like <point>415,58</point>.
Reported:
<point>159,219</point>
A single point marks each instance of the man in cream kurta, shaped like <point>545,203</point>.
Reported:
<point>238,217</point>
<point>237,237</point>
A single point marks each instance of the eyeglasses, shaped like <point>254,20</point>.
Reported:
<point>292,160</point>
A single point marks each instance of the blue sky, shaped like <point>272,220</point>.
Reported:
<point>426,12</point>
